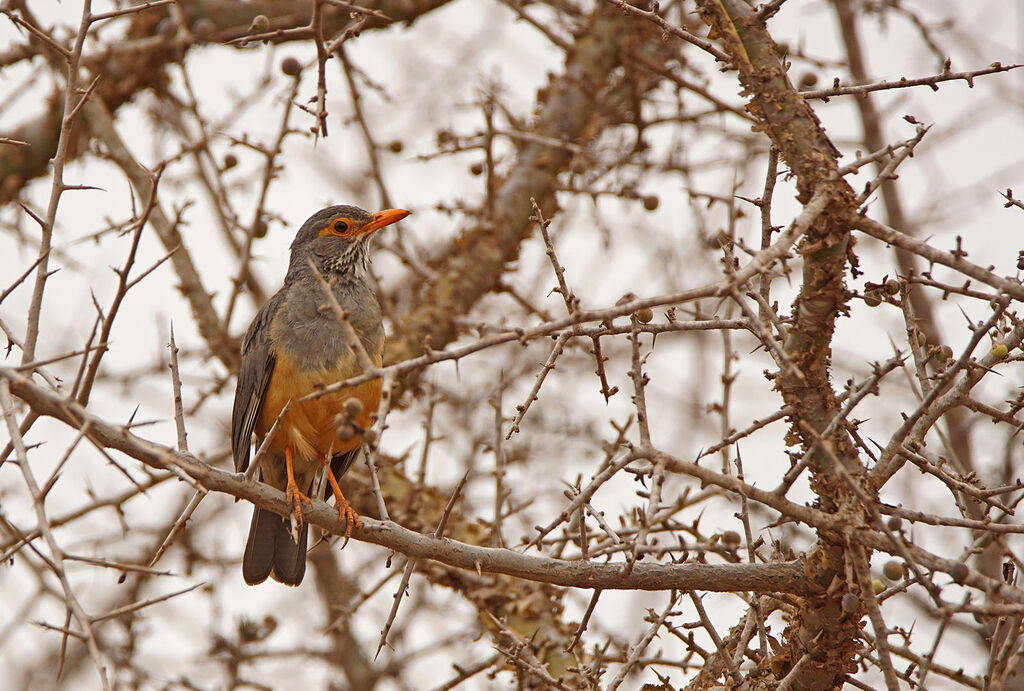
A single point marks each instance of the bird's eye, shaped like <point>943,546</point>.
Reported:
<point>340,226</point>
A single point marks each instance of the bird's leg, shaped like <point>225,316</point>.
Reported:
<point>292,491</point>
<point>345,511</point>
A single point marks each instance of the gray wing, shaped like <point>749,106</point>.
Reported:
<point>254,374</point>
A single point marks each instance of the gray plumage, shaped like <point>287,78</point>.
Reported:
<point>294,324</point>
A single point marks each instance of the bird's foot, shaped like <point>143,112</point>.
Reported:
<point>296,499</point>
<point>294,494</point>
<point>346,513</point>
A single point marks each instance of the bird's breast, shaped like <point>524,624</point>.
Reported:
<point>309,426</point>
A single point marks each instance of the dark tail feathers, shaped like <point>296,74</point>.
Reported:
<point>271,551</point>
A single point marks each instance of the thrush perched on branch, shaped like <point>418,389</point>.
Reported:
<point>298,343</point>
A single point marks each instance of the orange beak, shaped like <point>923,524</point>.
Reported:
<point>383,218</point>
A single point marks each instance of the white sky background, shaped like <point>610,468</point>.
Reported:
<point>974,151</point>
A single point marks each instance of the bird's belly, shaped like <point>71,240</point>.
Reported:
<point>309,427</point>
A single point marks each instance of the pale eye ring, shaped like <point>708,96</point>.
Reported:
<point>340,226</point>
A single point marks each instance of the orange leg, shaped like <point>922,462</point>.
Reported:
<point>345,511</point>
<point>292,491</point>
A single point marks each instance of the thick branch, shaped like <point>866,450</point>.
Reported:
<point>798,135</point>
<point>772,577</point>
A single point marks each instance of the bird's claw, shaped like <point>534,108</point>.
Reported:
<point>296,499</point>
<point>348,516</point>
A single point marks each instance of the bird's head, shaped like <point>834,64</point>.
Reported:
<point>337,238</point>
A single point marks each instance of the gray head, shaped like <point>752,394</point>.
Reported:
<point>337,238</point>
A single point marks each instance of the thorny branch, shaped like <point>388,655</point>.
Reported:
<point>850,360</point>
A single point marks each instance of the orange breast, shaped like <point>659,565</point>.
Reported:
<point>308,427</point>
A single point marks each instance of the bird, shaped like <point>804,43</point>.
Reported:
<point>297,344</point>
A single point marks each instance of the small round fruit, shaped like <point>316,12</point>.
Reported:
<point>872,300</point>
<point>291,66</point>
<point>645,315</point>
<point>731,539</point>
<point>891,287</point>
<point>877,586</point>
<point>353,406</point>
<point>943,353</point>
<point>999,351</point>
<point>651,202</point>
<point>895,523</point>
<point>850,603</point>
<point>477,168</point>
<point>369,436</point>
<point>808,80</point>
<point>230,161</point>
<point>168,28</point>
<point>894,570</point>
<point>396,146</point>
<point>204,28</point>
<point>260,24</point>
<point>346,432</point>
<point>959,572</point>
